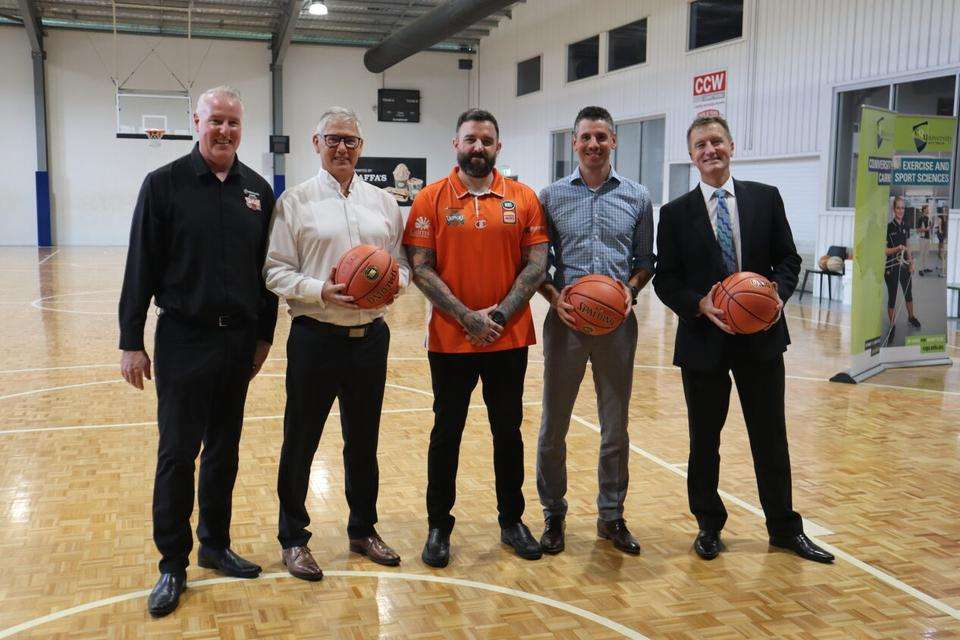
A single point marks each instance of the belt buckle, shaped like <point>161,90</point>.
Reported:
<point>357,332</point>
<point>223,321</point>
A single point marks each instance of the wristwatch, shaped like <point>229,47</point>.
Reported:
<point>498,317</point>
<point>634,292</point>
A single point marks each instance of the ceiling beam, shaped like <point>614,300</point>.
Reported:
<point>31,21</point>
<point>284,33</point>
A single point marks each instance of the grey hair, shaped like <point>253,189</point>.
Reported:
<point>222,90</point>
<point>338,114</point>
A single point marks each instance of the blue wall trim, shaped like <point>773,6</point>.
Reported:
<point>43,209</point>
<point>279,184</point>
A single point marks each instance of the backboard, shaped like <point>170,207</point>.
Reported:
<point>142,109</point>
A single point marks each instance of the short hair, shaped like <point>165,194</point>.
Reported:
<point>893,201</point>
<point>337,114</point>
<point>594,113</point>
<point>477,115</point>
<point>703,121</point>
<point>222,90</point>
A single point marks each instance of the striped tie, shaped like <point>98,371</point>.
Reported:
<point>725,233</point>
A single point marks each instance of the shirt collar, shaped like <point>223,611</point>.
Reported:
<point>497,187</point>
<point>577,177</point>
<point>709,190</point>
<point>202,168</point>
<point>326,179</point>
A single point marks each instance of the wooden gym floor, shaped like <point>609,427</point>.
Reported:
<point>876,473</point>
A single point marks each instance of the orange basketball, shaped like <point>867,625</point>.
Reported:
<point>598,304</point>
<point>371,274</point>
<point>749,302</point>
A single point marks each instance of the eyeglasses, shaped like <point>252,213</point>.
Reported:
<point>350,142</point>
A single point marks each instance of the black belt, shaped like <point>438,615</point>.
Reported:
<point>326,328</point>
<point>223,321</point>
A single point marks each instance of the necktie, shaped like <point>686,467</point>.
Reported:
<point>725,233</point>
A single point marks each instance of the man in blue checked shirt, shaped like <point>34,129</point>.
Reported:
<point>599,223</point>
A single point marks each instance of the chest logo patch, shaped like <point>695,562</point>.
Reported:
<point>480,223</point>
<point>509,212</point>
<point>252,199</point>
<point>455,218</point>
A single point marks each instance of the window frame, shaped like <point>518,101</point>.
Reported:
<point>517,76</point>
<point>723,43</point>
<point>601,49</point>
<point>606,36</point>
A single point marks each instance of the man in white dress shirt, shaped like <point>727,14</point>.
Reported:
<point>335,349</point>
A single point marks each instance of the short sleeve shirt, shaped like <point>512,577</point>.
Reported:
<point>478,240</point>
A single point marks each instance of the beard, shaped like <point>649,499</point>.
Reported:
<point>476,169</point>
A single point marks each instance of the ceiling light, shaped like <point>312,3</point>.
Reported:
<point>317,8</point>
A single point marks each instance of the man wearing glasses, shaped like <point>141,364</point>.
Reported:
<point>335,349</point>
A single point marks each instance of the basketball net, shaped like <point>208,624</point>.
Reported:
<point>155,136</point>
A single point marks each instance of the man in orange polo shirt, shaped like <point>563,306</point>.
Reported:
<point>477,245</point>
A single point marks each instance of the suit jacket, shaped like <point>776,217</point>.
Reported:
<point>690,263</point>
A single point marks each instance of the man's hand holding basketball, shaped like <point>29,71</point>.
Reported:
<point>333,293</point>
<point>714,314</point>
<point>134,367</point>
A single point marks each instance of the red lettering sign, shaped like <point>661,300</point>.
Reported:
<point>715,82</point>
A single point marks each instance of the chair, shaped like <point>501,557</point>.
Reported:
<point>834,251</point>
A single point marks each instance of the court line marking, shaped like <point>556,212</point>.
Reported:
<point>67,386</point>
<point>37,304</point>
<point>624,631</point>
<point>870,569</point>
<point>55,252</point>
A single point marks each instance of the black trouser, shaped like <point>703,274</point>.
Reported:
<point>202,374</point>
<point>761,390</point>
<point>898,275</point>
<point>320,367</point>
<point>454,378</point>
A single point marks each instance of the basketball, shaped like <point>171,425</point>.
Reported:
<point>749,302</point>
<point>371,274</point>
<point>598,304</point>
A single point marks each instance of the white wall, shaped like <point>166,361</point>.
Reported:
<point>782,76</point>
<point>94,176</point>
<point>18,156</point>
<point>316,78</point>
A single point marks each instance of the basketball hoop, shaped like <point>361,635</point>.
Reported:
<point>155,136</point>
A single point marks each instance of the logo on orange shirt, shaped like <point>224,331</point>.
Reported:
<point>455,217</point>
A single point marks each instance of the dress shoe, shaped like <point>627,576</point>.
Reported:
<point>436,552</point>
<point>708,545</point>
<point>617,531</point>
<point>801,545</point>
<point>227,562</point>
<point>914,322</point>
<point>166,594</point>
<point>300,563</point>
<point>519,537</point>
<point>552,539</point>
<point>376,549</point>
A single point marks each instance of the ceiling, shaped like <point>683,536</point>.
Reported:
<point>349,22</point>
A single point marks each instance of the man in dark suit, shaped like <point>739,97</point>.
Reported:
<point>721,227</point>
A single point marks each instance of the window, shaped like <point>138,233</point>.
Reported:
<point>639,154</point>
<point>528,76</point>
<point>713,21</point>
<point>848,145</point>
<point>563,162</point>
<point>583,59</point>
<point>627,45</point>
<point>933,96</point>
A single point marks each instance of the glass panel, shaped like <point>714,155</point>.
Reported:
<point>528,76</point>
<point>848,127</point>
<point>933,97</point>
<point>651,159</point>
<point>583,58</point>
<point>713,21</point>
<point>562,154</point>
<point>679,180</point>
<point>627,158</point>
<point>628,45</point>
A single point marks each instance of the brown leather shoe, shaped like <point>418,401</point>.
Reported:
<point>376,549</point>
<point>616,530</point>
<point>300,563</point>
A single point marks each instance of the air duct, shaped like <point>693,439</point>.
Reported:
<point>432,27</point>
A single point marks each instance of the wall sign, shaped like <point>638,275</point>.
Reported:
<point>398,105</point>
<point>710,94</point>
<point>400,177</point>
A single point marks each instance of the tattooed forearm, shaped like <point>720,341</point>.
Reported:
<point>422,263</point>
<point>531,277</point>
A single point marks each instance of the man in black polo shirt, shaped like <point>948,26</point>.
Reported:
<point>197,245</point>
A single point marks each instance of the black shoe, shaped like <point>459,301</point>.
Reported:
<point>616,530</point>
<point>166,594</point>
<point>519,537</point>
<point>914,322</point>
<point>436,552</point>
<point>708,545</point>
<point>227,562</point>
<point>801,545</point>
<point>552,539</point>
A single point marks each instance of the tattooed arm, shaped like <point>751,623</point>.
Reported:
<point>477,323</point>
<point>531,277</point>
